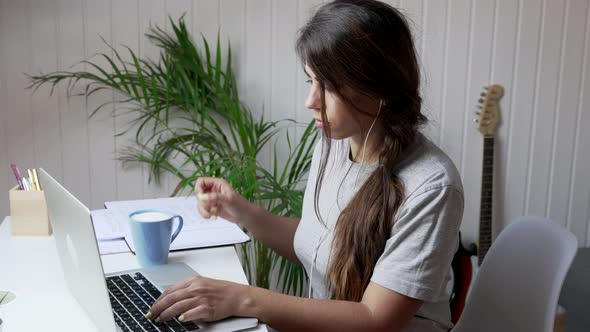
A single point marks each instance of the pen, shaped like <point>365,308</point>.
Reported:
<point>30,179</point>
<point>25,184</point>
<point>37,183</point>
<point>16,173</point>
<point>32,183</point>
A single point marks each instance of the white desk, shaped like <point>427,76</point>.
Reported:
<point>30,268</point>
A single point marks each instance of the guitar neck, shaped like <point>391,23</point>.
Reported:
<point>485,212</point>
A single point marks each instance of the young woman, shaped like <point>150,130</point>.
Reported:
<point>382,207</point>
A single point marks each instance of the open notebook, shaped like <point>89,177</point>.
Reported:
<point>197,232</point>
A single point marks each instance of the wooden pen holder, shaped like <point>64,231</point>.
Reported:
<point>28,212</point>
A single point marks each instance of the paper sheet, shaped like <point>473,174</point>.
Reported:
<point>184,206</point>
<point>197,232</point>
<point>106,247</point>
<point>107,225</point>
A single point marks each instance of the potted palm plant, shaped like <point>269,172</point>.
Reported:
<point>189,122</point>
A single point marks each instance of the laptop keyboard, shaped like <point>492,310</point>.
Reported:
<point>131,297</point>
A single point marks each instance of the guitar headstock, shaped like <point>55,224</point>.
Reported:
<point>489,115</point>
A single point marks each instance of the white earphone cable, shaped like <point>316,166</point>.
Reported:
<point>315,256</point>
<point>323,237</point>
<point>365,143</point>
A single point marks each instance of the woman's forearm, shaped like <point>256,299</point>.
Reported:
<point>274,231</point>
<point>290,313</point>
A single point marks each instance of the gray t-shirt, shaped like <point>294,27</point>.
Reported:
<point>416,261</point>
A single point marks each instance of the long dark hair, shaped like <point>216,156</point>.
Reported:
<point>367,46</point>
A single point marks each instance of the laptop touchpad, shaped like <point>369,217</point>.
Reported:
<point>164,276</point>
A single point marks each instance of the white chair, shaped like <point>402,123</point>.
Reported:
<point>519,281</point>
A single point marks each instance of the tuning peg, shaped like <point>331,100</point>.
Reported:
<point>485,88</point>
<point>481,101</point>
<point>475,120</point>
<point>477,113</point>
<point>480,107</point>
<point>483,94</point>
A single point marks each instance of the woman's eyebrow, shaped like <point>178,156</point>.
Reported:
<point>306,73</point>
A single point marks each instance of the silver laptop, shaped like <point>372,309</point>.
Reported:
<point>117,301</point>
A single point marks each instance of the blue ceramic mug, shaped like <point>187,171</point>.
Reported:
<point>151,230</point>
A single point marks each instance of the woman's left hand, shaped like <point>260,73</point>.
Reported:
<point>198,298</point>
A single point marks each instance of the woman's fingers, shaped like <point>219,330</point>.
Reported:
<point>216,197</point>
<point>166,302</point>
<point>202,197</point>
<point>170,294</point>
<point>206,299</point>
<point>203,209</point>
<point>207,207</point>
<point>203,312</point>
<point>208,185</point>
<point>178,308</point>
<point>179,285</point>
<point>209,203</point>
<point>205,184</point>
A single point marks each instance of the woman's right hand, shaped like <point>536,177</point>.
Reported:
<point>216,197</point>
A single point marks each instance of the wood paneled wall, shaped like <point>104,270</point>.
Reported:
<point>536,49</point>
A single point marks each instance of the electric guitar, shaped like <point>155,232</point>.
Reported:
<point>464,266</point>
<point>487,123</point>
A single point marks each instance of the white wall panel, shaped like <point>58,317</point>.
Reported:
<point>175,9</point>
<point>18,123</point>
<point>503,55</point>
<point>73,114</point>
<point>232,22</point>
<point>579,195</point>
<point>151,13</point>
<point>455,84</point>
<point>257,53</point>
<point>284,69</point>
<point>206,22</point>
<point>564,127</point>
<point>258,69</point>
<point>545,107</point>
<point>45,111</point>
<point>302,114</point>
<point>479,62</point>
<point>434,57</point>
<point>101,127</point>
<point>522,107</point>
<point>414,11</point>
<point>536,49</point>
<point>125,25</point>
<point>7,180</point>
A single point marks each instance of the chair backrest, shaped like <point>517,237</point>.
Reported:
<point>519,281</point>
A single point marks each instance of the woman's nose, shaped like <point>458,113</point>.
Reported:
<point>313,98</point>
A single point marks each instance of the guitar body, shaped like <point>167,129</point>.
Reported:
<point>463,274</point>
<point>466,260</point>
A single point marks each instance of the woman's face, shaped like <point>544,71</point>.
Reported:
<point>344,120</point>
